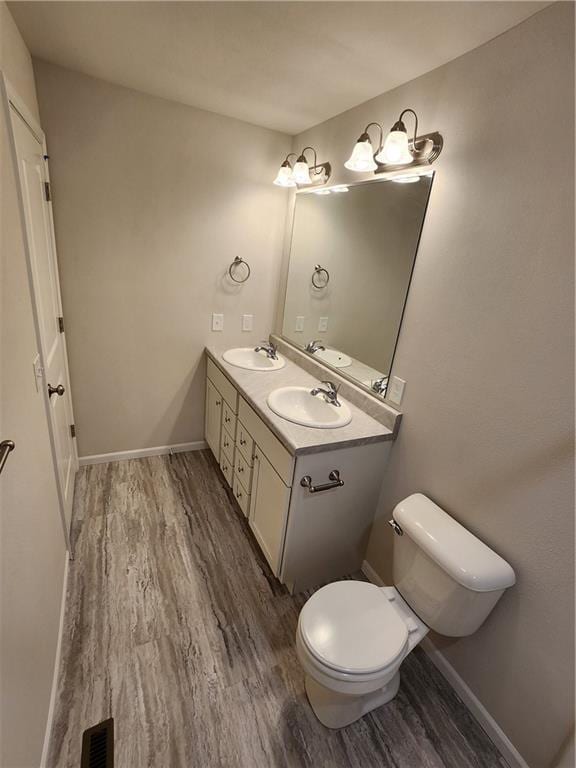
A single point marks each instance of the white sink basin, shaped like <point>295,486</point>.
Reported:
<point>334,357</point>
<point>296,404</point>
<point>247,357</point>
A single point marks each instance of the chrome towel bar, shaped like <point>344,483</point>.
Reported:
<point>334,476</point>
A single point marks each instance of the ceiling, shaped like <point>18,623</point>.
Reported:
<point>283,65</point>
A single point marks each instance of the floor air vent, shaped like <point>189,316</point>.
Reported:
<point>98,745</point>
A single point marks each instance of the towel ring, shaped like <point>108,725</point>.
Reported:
<point>236,263</point>
<point>318,270</point>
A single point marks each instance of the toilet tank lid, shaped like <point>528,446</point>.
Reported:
<point>457,551</point>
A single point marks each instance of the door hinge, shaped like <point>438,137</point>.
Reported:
<point>72,430</point>
<point>61,324</point>
<point>47,192</point>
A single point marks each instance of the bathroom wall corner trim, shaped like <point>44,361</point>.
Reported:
<point>140,453</point>
<point>509,752</point>
<point>57,659</point>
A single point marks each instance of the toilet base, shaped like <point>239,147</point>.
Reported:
<point>336,710</point>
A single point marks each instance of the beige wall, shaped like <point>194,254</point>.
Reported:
<point>486,349</point>
<point>32,553</point>
<point>152,201</point>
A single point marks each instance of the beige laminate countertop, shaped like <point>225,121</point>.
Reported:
<point>255,386</point>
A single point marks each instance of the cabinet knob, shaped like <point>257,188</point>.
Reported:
<point>218,402</point>
<point>242,441</point>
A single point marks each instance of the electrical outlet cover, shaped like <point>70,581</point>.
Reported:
<point>323,324</point>
<point>247,322</point>
<point>299,327</point>
<point>217,322</point>
<point>396,390</point>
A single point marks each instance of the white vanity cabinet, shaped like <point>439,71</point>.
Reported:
<point>269,509</point>
<point>308,536</point>
<point>213,418</point>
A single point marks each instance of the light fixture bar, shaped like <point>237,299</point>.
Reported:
<point>396,151</point>
<point>424,150</point>
<point>300,174</point>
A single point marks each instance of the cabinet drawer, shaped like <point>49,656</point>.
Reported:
<point>228,418</point>
<point>222,384</point>
<point>243,471</point>
<point>241,496</point>
<point>245,443</point>
<point>227,468</point>
<point>227,446</point>
<point>271,447</point>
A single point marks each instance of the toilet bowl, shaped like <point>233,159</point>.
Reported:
<point>351,640</point>
<point>352,636</point>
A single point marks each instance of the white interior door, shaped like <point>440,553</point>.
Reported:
<point>53,376</point>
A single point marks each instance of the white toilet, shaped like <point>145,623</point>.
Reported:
<point>353,636</point>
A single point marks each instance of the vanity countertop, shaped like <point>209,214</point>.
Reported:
<point>255,386</point>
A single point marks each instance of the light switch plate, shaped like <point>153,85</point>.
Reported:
<point>396,390</point>
<point>323,324</point>
<point>299,327</point>
<point>247,322</point>
<point>217,322</point>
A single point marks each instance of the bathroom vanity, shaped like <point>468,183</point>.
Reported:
<point>309,494</point>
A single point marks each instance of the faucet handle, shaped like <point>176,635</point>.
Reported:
<point>331,386</point>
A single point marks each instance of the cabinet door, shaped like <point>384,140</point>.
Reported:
<point>213,418</point>
<point>268,509</point>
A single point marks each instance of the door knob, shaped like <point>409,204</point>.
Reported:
<point>59,390</point>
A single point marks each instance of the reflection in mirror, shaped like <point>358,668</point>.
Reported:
<point>351,258</point>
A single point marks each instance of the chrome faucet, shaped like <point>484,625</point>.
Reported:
<point>330,393</point>
<point>269,348</point>
<point>315,346</point>
<point>380,385</point>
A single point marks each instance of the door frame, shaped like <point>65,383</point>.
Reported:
<point>12,101</point>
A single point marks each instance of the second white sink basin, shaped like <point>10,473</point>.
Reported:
<point>247,357</point>
<point>334,357</point>
<point>296,404</point>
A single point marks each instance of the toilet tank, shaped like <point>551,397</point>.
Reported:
<point>450,578</point>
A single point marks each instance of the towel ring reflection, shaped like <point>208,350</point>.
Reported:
<point>318,270</point>
<point>236,263</point>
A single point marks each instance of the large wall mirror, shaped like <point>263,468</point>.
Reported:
<point>351,259</point>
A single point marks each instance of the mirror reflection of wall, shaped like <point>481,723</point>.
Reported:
<point>366,239</point>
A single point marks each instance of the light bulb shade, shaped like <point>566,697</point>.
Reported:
<point>362,157</point>
<point>301,172</point>
<point>395,150</point>
<point>284,177</point>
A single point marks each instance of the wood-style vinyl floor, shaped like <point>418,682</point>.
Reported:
<point>176,628</point>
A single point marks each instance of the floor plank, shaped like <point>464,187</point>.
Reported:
<point>176,627</point>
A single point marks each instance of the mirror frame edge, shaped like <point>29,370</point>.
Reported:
<point>284,288</point>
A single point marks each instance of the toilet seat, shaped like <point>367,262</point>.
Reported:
<point>351,632</point>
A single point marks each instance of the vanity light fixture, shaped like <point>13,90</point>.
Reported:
<point>302,174</point>
<point>284,175</point>
<point>397,151</point>
<point>362,157</point>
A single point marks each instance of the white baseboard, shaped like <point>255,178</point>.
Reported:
<point>474,706</point>
<point>140,453</point>
<point>57,659</point>
<point>469,699</point>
